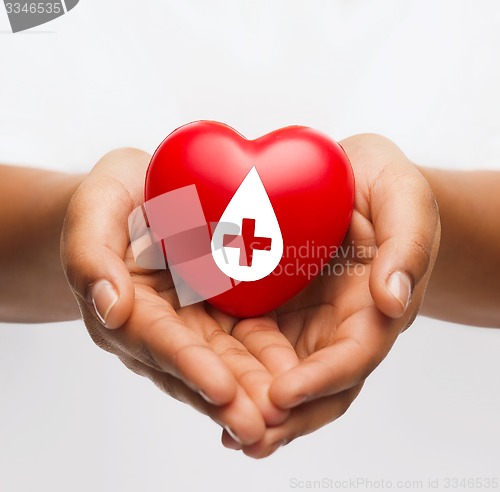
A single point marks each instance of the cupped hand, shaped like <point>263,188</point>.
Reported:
<point>134,313</point>
<point>266,380</point>
<point>343,325</point>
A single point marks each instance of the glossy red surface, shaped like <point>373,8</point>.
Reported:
<point>308,179</point>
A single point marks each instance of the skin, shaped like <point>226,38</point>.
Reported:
<point>465,286</point>
<point>265,380</point>
<point>187,352</point>
<point>335,327</point>
<point>274,361</point>
<point>33,204</point>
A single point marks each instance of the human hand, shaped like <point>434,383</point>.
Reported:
<point>336,315</point>
<point>346,321</point>
<point>134,313</point>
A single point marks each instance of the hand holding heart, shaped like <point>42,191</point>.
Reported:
<point>342,326</point>
<point>266,380</point>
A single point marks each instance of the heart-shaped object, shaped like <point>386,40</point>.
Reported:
<point>247,224</point>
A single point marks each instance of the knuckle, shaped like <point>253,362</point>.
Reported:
<point>249,327</point>
<point>420,248</point>
<point>233,351</point>
<point>327,368</point>
<point>250,376</point>
<point>74,265</point>
<point>214,336</point>
<point>127,154</point>
<point>426,194</point>
<point>73,261</point>
<point>370,360</point>
<point>273,347</point>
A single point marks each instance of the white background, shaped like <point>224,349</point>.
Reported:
<point>120,72</point>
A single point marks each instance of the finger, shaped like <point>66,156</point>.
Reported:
<point>264,340</point>
<point>229,442</point>
<point>395,196</point>
<point>240,418</point>
<point>156,336</point>
<point>406,222</point>
<point>362,342</point>
<point>303,420</point>
<point>251,374</point>
<point>95,235</point>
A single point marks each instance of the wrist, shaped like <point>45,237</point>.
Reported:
<point>464,284</point>
<point>33,287</point>
<point>56,191</point>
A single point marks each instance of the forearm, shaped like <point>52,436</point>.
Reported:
<point>465,283</point>
<point>33,204</point>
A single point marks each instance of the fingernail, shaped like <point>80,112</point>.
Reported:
<point>399,286</point>
<point>104,297</point>
<point>206,397</point>
<point>232,434</point>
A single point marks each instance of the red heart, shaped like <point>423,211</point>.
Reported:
<point>310,185</point>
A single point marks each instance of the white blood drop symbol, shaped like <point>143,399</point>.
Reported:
<point>247,244</point>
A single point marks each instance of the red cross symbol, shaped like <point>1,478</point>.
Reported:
<point>247,242</point>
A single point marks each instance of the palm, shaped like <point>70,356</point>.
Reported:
<point>187,351</point>
<point>180,347</point>
<point>155,292</point>
<point>337,313</point>
<point>331,327</point>
<point>324,312</point>
<point>336,327</point>
<point>319,347</point>
<point>333,308</point>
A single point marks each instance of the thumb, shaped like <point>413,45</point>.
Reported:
<point>95,238</point>
<point>407,229</point>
